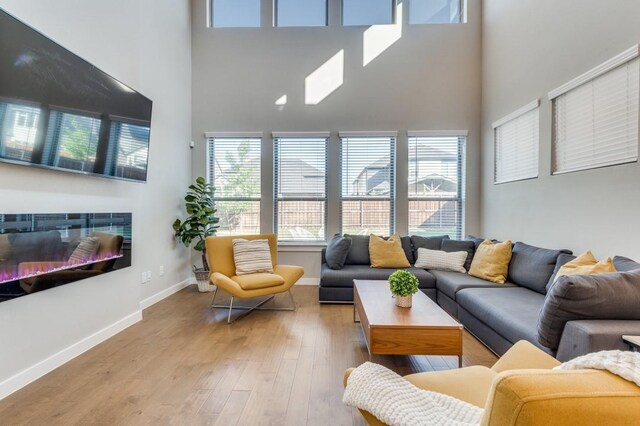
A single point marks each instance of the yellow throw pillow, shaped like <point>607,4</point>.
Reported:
<point>387,253</point>
<point>586,264</point>
<point>491,261</point>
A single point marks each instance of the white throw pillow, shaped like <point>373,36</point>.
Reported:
<point>252,256</point>
<point>441,260</point>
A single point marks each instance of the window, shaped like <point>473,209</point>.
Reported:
<point>76,140</point>
<point>300,187</point>
<point>517,144</point>
<point>367,12</point>
<point>18,125</point>
<point>234,170</point>
<point>435,11</point>
<point>235,13</point>
<point>301,13</point>
<point>367,187</point>
<point>436,185</point>
<point>596,116</point>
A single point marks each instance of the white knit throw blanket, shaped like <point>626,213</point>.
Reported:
<point>397,402</point>
<point>625,364</point>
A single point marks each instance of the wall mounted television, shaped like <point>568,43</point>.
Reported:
<point>60,112</point>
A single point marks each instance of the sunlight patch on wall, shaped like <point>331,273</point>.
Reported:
<point>324,80</point>
<point>282,100</point>
<point>378,38</point>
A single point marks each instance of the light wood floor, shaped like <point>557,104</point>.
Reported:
<point>184,365</point>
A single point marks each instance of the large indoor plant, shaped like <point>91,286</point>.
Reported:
<point>201,222</point>
<point>403,285</point>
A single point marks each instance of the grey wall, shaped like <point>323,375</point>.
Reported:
<point>530,47</point>
<point>145,44</point>
<point>428,80</point>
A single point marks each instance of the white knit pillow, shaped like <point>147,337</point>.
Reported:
<point>252,256</point>
<point>441,260</point>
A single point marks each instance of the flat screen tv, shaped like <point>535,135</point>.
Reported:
<point>58,111</point>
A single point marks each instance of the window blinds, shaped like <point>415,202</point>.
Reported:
<point>436,185</point>
<point>517,139</point>
<point>300,188</point>
<point>367,182</point>
<point>596,122</point>
<point>233,167</point>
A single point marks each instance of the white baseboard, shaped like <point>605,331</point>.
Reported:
<point>38,370</point>
<point>308,281</point>
<point>144,304</point>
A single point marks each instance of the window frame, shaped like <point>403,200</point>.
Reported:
<point>392,198</point>
<point>533,106</point>
<point>602,70</point>
<point>277,137</point>
<point>210,174</point>
<point>462,136</point>
<point>275,17</point>
<point>393,21</point>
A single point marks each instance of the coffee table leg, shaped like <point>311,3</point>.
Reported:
<point>459,361</point>
<point>354,312</point>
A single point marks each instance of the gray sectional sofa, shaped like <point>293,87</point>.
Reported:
<point>498,314</point>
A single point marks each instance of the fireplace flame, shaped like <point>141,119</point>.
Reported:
<point>34,269</point>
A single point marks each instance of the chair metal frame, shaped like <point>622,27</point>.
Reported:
<point>249,309</point>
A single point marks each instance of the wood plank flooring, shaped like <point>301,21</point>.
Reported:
<point>184,365</point>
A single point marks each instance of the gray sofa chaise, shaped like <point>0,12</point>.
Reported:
<point>498,314</point>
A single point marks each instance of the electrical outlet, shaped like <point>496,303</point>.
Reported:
<point>148,275</point>
<point>161,272</point>
<point>144,277</point>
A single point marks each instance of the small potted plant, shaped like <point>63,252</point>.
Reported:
<point>200,223</point>
<point>403,285</point>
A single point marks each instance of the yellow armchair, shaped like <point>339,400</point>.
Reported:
<point>521,389</point>
<point>223,274</point>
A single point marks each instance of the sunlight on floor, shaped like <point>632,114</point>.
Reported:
<point>324,80</point>
<point>378,38</point>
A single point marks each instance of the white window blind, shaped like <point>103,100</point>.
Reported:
<point>517,140</point>
<point>234,170</point>
<point>300,188</point>
<point>596,122</point>
<point>436,185</point>
<point>367,174</point>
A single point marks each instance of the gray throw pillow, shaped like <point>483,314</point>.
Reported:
<point>337,251</point>
<point>408,248</point>
<point>532,267</point>
<point>359,252</point>
<point>430,243</point>
<point>562,259</point>
<point>451,246</point>
<point>611,296</point>
<point>624,264</point>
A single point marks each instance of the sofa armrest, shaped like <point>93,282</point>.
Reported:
<point>323,258</point>
<point>584,336</point>
<point>550,397</point>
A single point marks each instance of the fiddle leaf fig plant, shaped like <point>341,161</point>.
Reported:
<point>201,221</point>
<point>403,283</point>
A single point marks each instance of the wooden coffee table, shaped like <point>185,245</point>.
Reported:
<point>423,329</point>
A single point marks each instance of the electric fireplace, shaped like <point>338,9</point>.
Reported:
<point>42,251</point>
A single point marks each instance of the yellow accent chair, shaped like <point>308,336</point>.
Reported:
<point>223,275</point>
<point>521,389</point>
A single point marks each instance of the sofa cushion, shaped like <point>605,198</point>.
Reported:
<point>614,296</point>
<point>408,249</point>
<point>387,253</point>
<point>451,282</point>
<point>510,312</point>
<point>532,267</point>
<point>460,245</point>
<point>359,252</point>
<point>258,280</point>
<point>562,260</point>
<point>587,264</point>
<point>440,260</point>
<point>624,264</point>
<point>431,243</point>
<point>345,276</point>
<point>337,251</point>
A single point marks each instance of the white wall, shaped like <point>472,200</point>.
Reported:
<point>146,45</point>
<point>429,79</point>
<point>530,47</point>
